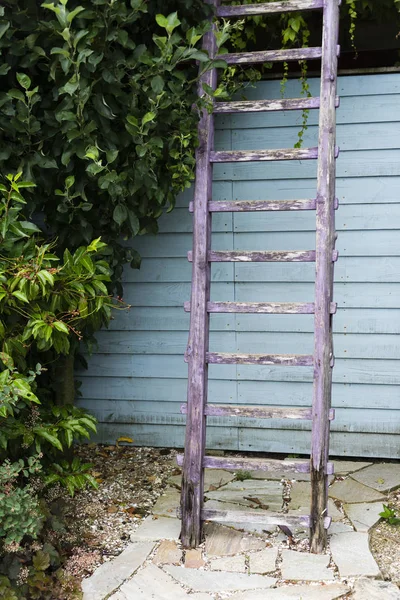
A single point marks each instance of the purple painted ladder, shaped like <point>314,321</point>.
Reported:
<point>198,356</point>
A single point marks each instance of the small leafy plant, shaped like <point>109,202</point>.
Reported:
<point>389,515</point>
<point>243,475</point>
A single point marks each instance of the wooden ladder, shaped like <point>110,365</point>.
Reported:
<point>198,356</point>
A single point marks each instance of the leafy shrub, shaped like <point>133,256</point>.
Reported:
<point>96,109</point>
<point>19,507</point>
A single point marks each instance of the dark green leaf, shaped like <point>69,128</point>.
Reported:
<point>120,214</point>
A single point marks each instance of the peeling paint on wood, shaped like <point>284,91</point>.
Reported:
<point>257,412</point>
<point>273,7</point>
<point>278,308</point>
<point>288,360</point>
<point>255,464</point>
<point>268,105</point>
<point>271,56</point>
<point>325,244</point>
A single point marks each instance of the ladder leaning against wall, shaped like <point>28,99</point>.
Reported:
<point>198,356</point>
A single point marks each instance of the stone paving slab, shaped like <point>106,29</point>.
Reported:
<point>110,575</point>
<point>253,485</point>
<point>257,528</point>
<point>224,541</point>
<point>213,478</point>
<point>300,496</point>
<point>353,492</point>
<point>363,516</point>
<point>168,553</point>
<point>151,583</point>
<point>243,502</point>
<point>372,589</point>
<point>297,592</point>
<point>194,559</point>
<point>263,561</point>
<point>339,527</point>
<point>232,564</point>
<point>218,581</point>
<point>351,554</point>
<point>301,566</point>
<point>268,493</point>
<point>383,477</point>
<point>344,467</point>
<point>167,503</point>
<point>161,528</point>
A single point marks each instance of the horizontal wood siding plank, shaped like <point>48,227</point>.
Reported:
<point>374,136</point>
<point>352,111</point>
<point>357,86</point>
<point>356,163</point>
<point>347,345</point>
<point>257,440</point>
<point>346,421</point>
<point>347,320</point>
<point>384,372</point>
<point>349,217</point>
<point>365,243</point>
<point>355,295</point>
<point>350,190</point>
<point>115,394</point>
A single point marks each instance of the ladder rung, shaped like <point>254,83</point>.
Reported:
<point>273,256</point>
<point>226,156</point>
<point>233,516</point>
<point>272,55</point>
<point>268,105</point>
<point>257,412</point>
<point>256,464</point>
<point>288,360</point>
<point>260,205</point>
<point>277,308</point>
<point>256,516</point>
<point>273,7</point>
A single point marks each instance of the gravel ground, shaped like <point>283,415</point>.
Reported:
<point>385,543</point>
<point>100,522</point>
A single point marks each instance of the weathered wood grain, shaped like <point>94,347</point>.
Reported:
<point>226,156</point>
<point>193,473</point>
<point>258,205</point>
<point>255,464</point>
<point>278,308</point>
<point>229,516</point>
<point>287,360</point>
<point>250,106</point>
<point>254,516</point>
<point>325,244</point>
<point>274,256</point>
<point>273,7</point>
<point>257,412</point>
<point>271,56</point>
<point>261,205</point>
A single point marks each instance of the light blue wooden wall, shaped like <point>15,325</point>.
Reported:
<point>137,378</point>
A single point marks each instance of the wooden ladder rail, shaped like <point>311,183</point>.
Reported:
<point>325,244</point>
<point>194,461</point>
<point>195,438</point>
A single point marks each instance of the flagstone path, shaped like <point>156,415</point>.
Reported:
<point>257,563</point>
